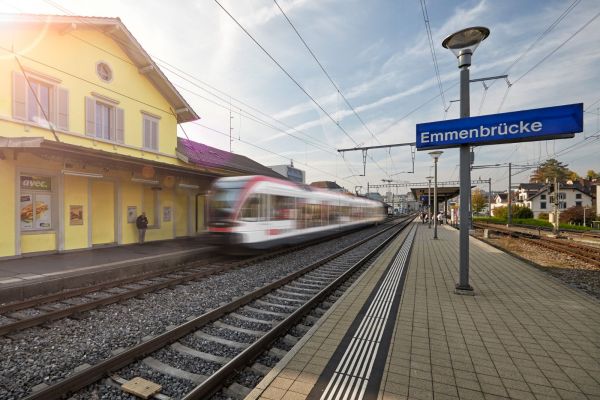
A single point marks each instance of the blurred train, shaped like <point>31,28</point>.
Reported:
<point>259,212</point>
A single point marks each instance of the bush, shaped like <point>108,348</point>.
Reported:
<point>522,212</point>
<point>544,216</point>
<point>518,211</point>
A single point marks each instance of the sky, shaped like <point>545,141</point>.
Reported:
<point>283,108</point>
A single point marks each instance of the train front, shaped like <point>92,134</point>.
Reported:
<point>224,200</point>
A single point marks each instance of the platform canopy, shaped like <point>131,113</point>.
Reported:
<point>444,193</point>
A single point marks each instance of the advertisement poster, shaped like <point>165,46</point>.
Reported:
<point>131,214</point>
<point>26,211</point>
<point>166,214</point>
<point>43,216</point>
<point>76,215</point>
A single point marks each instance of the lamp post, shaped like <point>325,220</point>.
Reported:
<point>429,178</point>
<point>435,155</point>
<point>463,43</point>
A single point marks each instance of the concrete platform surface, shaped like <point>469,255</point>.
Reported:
<point>523,335</point>
<point>42,274</point>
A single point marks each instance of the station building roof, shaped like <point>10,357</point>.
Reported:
<point>206,156</point>
<point>115,29</point>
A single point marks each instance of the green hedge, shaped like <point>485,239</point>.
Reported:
<point>530,222</point>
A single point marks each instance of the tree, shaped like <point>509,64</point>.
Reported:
<point>551,169</point>
<point>478,200</point>
<point>591,174</point>
<point>574,215</point>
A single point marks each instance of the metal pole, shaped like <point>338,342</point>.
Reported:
<point>429,202</point>
<point>463,286</point>
<point>509,215</point>
<point>557,188</point>
<point>490,198</point>
<point>435,201</point>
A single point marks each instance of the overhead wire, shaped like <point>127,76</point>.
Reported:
<point>432,50</point>
<point>326,73</point>
<point>177,72</point>
<point>313,142</point>
<point>287,73</point>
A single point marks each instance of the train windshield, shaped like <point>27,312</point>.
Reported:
<point>224,199</point>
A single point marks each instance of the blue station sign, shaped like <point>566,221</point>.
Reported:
<point>558,122</point>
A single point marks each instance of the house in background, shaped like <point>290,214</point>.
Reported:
<point>499,200</point>
<point>569,195</point>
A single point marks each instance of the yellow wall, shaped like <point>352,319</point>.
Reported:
<point>31,243</point>
<point>69,58</point>
<point>7,202</point>
<point>131,195</point>
<point>166,227</point>
<point>103,212</point>
<point>76,193</point>
<point>200,217</point>
<point>180,214</point>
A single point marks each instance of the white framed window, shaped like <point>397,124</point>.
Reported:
<point>103,119</point>
<point>150,132</point>
<point>38,99</point>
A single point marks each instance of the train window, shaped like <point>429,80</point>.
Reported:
<point>250,209</point>
<point>281,208</point>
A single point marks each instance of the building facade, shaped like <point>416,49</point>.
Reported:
<point>88,140</point>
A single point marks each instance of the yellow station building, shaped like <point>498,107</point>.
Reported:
<point>88,140</point>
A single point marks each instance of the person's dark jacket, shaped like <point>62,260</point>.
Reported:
<point>141,222</point>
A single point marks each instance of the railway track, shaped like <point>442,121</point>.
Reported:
<point>209,350</point>
<point>42,310</point>
<point>580,251</point>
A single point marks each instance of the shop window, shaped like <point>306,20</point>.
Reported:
<point>150,124</point>
<point>35,203</point>
<point>103,120</point>
<point>37,99</point>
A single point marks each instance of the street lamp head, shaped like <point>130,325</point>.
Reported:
<point>464,42</point>
<point>435,154</point>
<point>429,178</point>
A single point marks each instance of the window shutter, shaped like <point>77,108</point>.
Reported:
<point>19,96</point>
<point>63,109</point>
<point>90,116</point>
<point>154,125</point>
<point>147,134</point>
<point>120,123</point>
<point>112,129</point>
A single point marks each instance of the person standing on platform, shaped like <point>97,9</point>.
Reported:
<point>142,224</point>
<point>440,218</point>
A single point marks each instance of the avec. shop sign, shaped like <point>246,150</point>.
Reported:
<point>559,122</point>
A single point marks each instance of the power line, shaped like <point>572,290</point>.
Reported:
<point>325,72</point>
<point>432,50</point>
<point>55,4</point>
<point>268,151</point>
<point>558,47</point>
<point>287,73</point>
<point>170,67</point>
